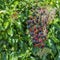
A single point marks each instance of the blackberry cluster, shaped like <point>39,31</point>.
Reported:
<point>37,26</point>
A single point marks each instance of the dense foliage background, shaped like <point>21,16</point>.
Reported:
<point>15,43</point>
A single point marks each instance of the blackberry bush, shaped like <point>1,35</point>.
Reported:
<point>29,30</point>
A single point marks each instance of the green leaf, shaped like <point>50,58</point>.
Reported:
<point>10,32</point>
<point>6,24</point>
<point>57,57</point>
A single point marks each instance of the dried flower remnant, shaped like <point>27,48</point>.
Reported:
<point>51,15</point>
<point>14,15</point>
<point>37,25</point>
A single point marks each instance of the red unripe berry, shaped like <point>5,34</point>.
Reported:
<point>40,40</point>
<point>36,38</point>
<point>46,31</point>
<point>34,29</point>
<point>42,45</point>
